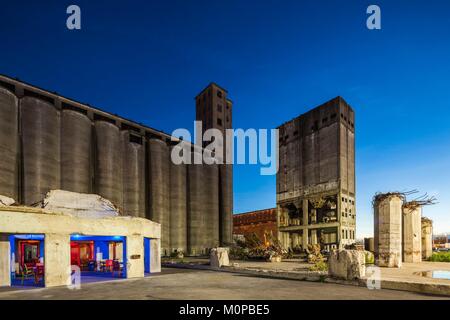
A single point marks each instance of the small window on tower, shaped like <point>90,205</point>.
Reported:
<point>219,93</point>
<point>219,107</point>
<point>219,121</point>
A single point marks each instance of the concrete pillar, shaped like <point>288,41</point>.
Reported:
<point>135,256</point>
<point>427,238</point>
<point>305,212</point>
<point>305,239</point>
<point>57,260</point>
<point>295,240</point>
<point>314,236</point>
<point>155,255</point>
<point>369,244</point>
<point>412,234</point>
<point>313,216</point>
<point>5,261</point>
<point>388,230</point>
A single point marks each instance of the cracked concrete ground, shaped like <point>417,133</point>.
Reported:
<point>204,285</point>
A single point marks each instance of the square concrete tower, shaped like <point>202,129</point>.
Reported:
<point>214,109</point>
<point>316,178</point>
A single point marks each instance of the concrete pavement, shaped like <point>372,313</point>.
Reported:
<point>201,284</point>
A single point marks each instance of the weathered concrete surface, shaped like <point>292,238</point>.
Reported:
<point>406,278</point>
<point>388,231</point>
<point>79,205</point>
<point>347,264</point>
<point>427,238</point>
<point>412,234</point>
<point>30,220</point>
<point>135,256</point>
<point>57,260</point>
<point>6,201</point>
<point>5,267</point>
<point>207,285</point>
<point>218,257</point>
<point>155,255</point>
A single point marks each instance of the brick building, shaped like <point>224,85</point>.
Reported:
<point>260,222</point>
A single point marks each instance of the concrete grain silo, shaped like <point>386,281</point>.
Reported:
<point>178,207</point>
<point>226,204</point>
<point>40,127</point>
<point>388,230</point>
<point>211,205</point>
<point>76,139</point>
<point>427,238</point>
<point>9,142</point>
<point>133,175</point>
<point>196,219</point>
<point>159,171</point>
<point>412,232</point>
<point>108,163</point>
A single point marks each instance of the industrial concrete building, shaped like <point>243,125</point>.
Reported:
<point>316,178</point>
<point>50,142</point>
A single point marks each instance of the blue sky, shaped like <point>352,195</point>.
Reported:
<point>146,60</point>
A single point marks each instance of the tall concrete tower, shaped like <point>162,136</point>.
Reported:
<point>214,109</point>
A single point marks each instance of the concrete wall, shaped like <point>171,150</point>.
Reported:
<point>388,232</point>
<point>155,255</point>
<point>412,234</point>
<point>57,260</point>
<point>5,266</point>
<point>135,256</point>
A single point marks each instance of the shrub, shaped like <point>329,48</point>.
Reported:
<point>319,266</point>
<point>440,257</point>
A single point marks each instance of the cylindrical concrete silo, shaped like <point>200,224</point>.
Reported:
<point>40,126</point>
<point>159,171</point>
<point>427,238</point>
<point>196,222</point>
<point>178,207</point>
<point>133,176</point>
<point>76,137</point>
<point>211,204</point>
<point>412,232</point>
<point>388,230</point>
<point>9,141</point>
<point>226,204</point>
<point>108,163</point>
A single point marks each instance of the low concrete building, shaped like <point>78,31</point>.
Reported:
<point>427,238</point>
<point>56,234</point>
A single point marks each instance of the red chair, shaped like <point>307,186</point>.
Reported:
<point>109,265</point>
